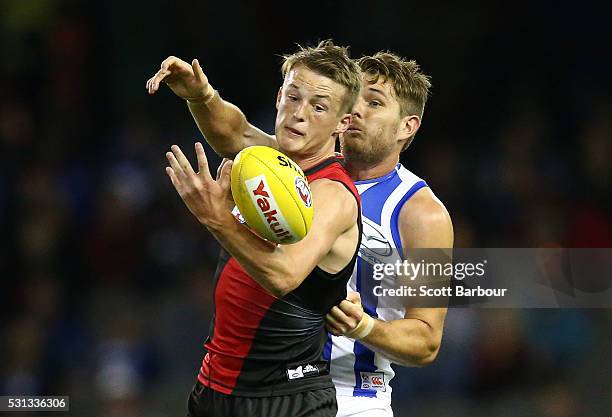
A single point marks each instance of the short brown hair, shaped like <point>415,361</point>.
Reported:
<point>410,85</point>
<point>331,61</point>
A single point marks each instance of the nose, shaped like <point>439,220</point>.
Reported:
<point>298,113</point>
<point>358,108</point>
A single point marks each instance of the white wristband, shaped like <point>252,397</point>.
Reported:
<point>363,329</point>
<point>210,94</point>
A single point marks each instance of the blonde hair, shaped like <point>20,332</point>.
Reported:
<point>331,61</point>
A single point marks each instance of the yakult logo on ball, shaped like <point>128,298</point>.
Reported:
<point>267,208</point>
<point>303,191</point>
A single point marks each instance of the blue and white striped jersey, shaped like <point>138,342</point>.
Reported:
<point>355,369</point>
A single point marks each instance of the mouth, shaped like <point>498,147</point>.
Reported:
<point>354,129</point>
<point>293,132</point>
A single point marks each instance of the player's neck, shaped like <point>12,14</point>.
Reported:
<point>309,161</point>
<point>366,171</point>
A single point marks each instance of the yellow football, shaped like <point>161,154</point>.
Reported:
<point>272,194</point>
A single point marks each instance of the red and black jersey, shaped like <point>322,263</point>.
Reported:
<point>261,345</point>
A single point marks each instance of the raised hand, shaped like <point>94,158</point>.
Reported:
<point>186,81</point>
<point>208,200</point>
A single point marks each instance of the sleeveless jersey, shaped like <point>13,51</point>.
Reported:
<point>356,370</point>
<point>260,345</point>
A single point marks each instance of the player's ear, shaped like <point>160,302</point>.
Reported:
<point>344,123</point>
<point>408,127</point>
<point>278,96</point>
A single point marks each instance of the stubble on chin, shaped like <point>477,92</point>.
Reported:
<point>355,152</point>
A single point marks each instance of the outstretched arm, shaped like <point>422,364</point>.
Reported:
<point>414,340</point>
<point>223,124</point>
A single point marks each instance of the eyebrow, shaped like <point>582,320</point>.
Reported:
<point>326,96</point>
<point>376,90</point>
<point>322,96</point>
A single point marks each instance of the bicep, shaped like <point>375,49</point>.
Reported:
<point>424,223</point>
<point>335,211</point>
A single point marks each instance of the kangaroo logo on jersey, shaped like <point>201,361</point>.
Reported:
<point>375,247</point>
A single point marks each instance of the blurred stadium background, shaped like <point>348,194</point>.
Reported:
<point>106,289</point>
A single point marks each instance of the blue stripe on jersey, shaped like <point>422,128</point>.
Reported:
<point>327,349</point>
<point>394,229</point>
<point>374,197</point>
<point>379,179</point>
<point>364,362</point>
<point>364,357</point>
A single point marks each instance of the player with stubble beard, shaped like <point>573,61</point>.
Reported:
<point>400,210</point>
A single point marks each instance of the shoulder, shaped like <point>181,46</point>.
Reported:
<point>332,191</point>
<point>425,222</point>
<point>334,203</point>
<point>334,171</point>
<point>329,168</point>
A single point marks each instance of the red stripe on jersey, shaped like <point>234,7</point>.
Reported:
<point>335,171</point>
<point>240,305</point>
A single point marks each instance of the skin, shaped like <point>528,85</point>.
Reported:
<point>378,132</point>
<point>372,145</point>
<point>414,340</point>
<point>308,120</point>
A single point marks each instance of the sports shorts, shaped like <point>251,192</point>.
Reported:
<point>205,402</point>
<point>349,406</point>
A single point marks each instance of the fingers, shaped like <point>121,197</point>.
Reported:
<point>197,71</point>
<point>339,315</point>
<point>169,66</point>
<point>176,168</point>
<point>175,181</point>
<point>333,330</point>
<point>339,323</point>
<point>153,83</point>
<point>203,169</point>
<point>182,169</point>
<point>225,175</point>
<point>169,62</point>
<point>347,306</point>
<point>220,167</point>
<point>354,297</point>
<point>182,160</point>
<point>332,323</point>
<point>354,311</point>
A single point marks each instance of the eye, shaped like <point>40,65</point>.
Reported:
<point>292,97</point>
<point>375,103</point>
<point>319,108</point>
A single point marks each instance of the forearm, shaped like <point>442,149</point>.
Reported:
<point>222,123</point>
<point>265,262</point>
<point>407,342</point>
